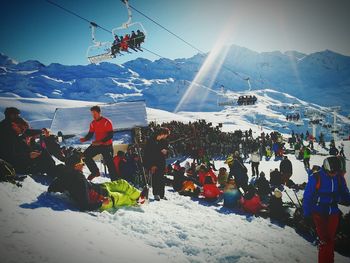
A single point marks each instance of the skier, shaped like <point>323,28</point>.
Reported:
<point>103,144</point>
<point>326,188</point>
<point>90,196</point>
<point>155,153</point>
<point>124,45</point>
<point>115,46</point>
<point>140,38</point>
<point>286,169</point>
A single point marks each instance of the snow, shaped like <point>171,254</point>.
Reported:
<point>41,227</point>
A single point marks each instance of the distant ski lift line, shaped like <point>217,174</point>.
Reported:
<point>152,52</point>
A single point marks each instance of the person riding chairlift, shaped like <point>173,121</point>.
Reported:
<point>124,45</point>
<point>115,46</point>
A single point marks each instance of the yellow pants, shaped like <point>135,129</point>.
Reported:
<point>121,192</point>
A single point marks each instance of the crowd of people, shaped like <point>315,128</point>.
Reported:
<point>30,151</point>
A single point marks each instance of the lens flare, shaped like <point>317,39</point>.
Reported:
<point>196,92</point>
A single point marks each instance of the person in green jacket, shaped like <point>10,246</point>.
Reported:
<point>306,157</point>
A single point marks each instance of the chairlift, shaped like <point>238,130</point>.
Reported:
<point>99,51</point>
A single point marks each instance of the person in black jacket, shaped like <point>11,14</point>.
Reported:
<point>276,178</point>
<point>155,153</point>
<point>6,130</point>
<point>22,156</point>
<point>238,171</point>
<point>50,143</point>
<point>263,186</point>
<point>286,169</point>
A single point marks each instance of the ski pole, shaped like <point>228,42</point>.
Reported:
<point>297,198</point>
<point>290,199</point>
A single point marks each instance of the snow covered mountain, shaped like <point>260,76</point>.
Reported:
<point>162,82</point>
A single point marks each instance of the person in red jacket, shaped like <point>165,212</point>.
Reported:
<point>119,163</point>
<point>103,144</point>
<point>204,172</point>
<point>251,202</point>
<point>210,189</point>
<point>125,43</point>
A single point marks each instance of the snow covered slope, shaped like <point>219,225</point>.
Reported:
<point>270,111</point>
<point>39,227</point>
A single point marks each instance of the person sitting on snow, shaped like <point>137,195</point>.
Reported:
<point>204,172</point>
<point>222,177</point>
<point>286,169</point>
<point>50,143</point>
<point>23,157</point>
<point>263,186</point>
<point>276,178</point>
<point>91,196</point>
<point>251,202</point>
<point>231,194</point>
<point>277,211</point>
<point>210,190</point>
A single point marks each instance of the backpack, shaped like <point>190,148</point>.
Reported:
<point>8,173</point>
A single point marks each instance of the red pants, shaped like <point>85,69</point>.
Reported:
<point>326,228</point>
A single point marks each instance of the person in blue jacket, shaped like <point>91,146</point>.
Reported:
<point>326,188</point>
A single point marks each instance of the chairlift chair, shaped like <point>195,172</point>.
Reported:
<point>129,24</point>
<point>99,51</point>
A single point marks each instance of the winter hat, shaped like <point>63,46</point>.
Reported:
<point>277,193</point>
<point>229,160</point>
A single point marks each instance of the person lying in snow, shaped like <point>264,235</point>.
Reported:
<point>91,196</point>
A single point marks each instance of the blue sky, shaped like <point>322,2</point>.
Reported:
<point>37,30</point>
